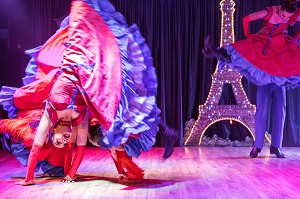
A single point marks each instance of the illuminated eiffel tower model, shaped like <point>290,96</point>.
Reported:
<point>211,112</point>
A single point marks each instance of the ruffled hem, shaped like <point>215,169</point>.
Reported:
<point>107,11</point>
<point>21,152</point>
<point>7,101</point>
<point>32,66</point>
<point>254,74</point>
<point>137,119</point>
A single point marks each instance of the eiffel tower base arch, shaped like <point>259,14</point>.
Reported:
<point>195,136</point>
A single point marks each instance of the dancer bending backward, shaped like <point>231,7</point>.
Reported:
<point>269,59</point>
<point>106,68</point>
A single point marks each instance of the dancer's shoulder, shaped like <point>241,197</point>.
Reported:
<point>270,10</point>
<point>262,14</point>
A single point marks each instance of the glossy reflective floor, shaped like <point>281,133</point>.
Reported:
<point>192,172</point>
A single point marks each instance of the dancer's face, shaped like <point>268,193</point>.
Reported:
<point>61,136</point>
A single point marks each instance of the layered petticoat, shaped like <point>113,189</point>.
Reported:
<point>269,56</point>
<point>255,74</point>
<point>137,119</point>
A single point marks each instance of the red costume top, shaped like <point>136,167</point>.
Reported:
<point>65,95</point>
<point>270,50</point>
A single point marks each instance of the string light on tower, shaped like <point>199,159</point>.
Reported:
<point>211,112</point>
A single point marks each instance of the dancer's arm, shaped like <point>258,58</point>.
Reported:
<point>252,17</point>
<point>68,149</point>
<point>40,137</point>
<point>42,130</point>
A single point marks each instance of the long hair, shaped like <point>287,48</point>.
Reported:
<point>289,5</point>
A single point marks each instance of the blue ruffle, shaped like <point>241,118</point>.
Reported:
<point>107,11</point>
<point>31,68</point>
<point>51,170</point>
<point>7,101</point>
<point>254,74</point>
<point>5,139</point>
<point>21,152</point>
<point>137,119</point>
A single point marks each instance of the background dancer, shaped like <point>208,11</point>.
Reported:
<point>269,59</point>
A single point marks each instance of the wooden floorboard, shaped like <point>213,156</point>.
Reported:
<point>192,172</point>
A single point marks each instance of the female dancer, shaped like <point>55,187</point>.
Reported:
<point>106,68</point>
<point>269,59</point>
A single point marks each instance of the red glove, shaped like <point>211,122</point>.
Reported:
<point>76,162</point>
<point>32,160</point>
<point>246,21</point>
<point>68,156</point>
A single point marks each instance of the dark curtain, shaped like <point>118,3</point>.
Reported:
<point>175,31</point>
<point>27,24</point>
<point>46,15</point>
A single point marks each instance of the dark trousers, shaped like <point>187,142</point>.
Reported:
<point>270,96</point>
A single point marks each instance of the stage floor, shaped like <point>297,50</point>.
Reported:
<point>192,172</point>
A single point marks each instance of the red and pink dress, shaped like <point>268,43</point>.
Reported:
<point>268,56</point>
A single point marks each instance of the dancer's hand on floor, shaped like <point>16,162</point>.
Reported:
<point>68,179</point>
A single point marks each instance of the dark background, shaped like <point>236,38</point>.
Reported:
<point>174,30</point>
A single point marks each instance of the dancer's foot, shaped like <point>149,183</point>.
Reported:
<point>254,152</point>
<point>124,179</point>
<point>170,137</point>
<point>277,152</point>
<point>210,51</point>
<point>68,179</point>
<point>131,170</point>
